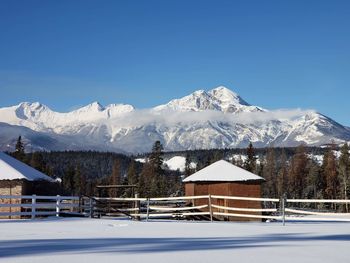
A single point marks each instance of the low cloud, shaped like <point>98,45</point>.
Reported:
<point>142,117</point>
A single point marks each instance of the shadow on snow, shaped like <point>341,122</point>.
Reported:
<point>152,245</point>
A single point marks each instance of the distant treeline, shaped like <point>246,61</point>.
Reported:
<point>81,171</point>
<point>288,171</point>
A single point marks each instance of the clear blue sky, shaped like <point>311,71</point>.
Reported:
<point>275,54</point>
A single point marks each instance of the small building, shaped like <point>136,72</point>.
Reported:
<point>225,179</point>
<point>17,178</point>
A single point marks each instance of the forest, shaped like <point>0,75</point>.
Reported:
<point>289,172</point>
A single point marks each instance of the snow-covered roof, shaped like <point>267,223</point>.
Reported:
<point>11,169</point>
<point>222,171</point>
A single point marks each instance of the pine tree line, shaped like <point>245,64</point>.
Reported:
<point>303,177</point>
<point>288,171</point>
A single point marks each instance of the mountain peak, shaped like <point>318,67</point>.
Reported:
<point>219,99</point>
<point>32,105</point>
<point>94,106</point>
<point>227,96</point>
<point>223,89</point>
<point>199,93</point>
<point>97,127</point>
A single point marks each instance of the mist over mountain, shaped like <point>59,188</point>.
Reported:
<point>218,118</point>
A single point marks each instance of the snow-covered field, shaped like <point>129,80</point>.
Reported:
<point>108,240</point>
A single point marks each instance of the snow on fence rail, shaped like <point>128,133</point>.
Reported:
<point>335,201</point>
<point>306,215</point>
<point>17,206</point>
<point>170,207</point>
<point>174,207</point>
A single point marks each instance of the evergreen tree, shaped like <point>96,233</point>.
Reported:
<point>188,168</point>
<point>282,179</point>
<point>156,158</point>
<point>79,182</point>
<point>37,162</point>
<point>250,162</point>
<point>344,171</point>
<point>270,174</point>
<point>132,174</point>
<point>131,178</point>
<point>115,178</point>
<point>209,160</point>
<point>145,181</point>
<point>19,153</point>
<point>330,174</point>
<point>49,170</point>
<point>68,180</point>
<point>217,156</point>
<point>313,188</point>
<point>297,173</point>
<point>158,184</point>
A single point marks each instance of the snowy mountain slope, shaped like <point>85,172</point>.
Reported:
<point>43,141</point>
<point>41,118</point>
<point>220,99</point>
<point>218,118</point>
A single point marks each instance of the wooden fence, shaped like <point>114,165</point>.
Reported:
<point>170,207</point>
<point>31,206</point>
<point>272,208</point>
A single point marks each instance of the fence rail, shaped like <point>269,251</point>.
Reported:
<point>17,206</point>
<point>210,207</point>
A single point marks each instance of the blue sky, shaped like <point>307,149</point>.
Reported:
<point>275,54</point>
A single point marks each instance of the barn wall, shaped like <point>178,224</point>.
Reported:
<point>189,189</point>
<point>245,189</point>
<point>23,187</point>
<point>14,187</point>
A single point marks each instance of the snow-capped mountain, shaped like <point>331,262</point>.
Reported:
<point>219,99</point>
<point>218,118</point>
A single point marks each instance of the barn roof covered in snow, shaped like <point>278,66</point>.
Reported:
<point>222,171</point>
<point>12,169</point>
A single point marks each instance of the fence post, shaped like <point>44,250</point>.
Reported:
<point>58,201</point>
<point>147,209</point>
<point>80,204</point>
<point>283,206</point>
<point>210,208</point>
<point>33,206</point>
<point>91,208</point>
<point>137,207</point>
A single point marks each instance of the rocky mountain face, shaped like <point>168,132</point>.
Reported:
<point>218,118</point>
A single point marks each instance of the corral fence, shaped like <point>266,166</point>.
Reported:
<point>203,207</point>
<point>32,206</point>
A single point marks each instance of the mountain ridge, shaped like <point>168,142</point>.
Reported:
<point>218,118</point>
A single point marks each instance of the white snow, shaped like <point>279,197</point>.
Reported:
<point>237,157</point>
<point>108,240</point>
<point>140,160</point>
<point>220,99</point>
<point>319,157</point>
<point>11,169</point>
<point>178,163</point>
<point>174,163</point>
<point>222,171</point>
<point>218,118</point>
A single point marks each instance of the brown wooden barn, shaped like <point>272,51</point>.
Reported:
<point>17,178</point>
<point>225,179</point>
